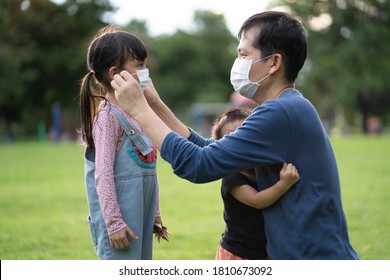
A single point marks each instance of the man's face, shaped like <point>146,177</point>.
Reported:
<point>245,47</point>
<point>245,50</point>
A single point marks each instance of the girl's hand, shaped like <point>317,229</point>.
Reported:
<point>289,174</point>
<point>119,239</point>
<point>159,230</point>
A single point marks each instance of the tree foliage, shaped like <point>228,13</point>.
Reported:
<point>347,65</point>
<point>194,66</point>
<point>42,49</point>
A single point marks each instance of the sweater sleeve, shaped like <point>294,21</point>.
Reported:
<point>199,140</point>
<point>107,133</point>
<point>261,140</point>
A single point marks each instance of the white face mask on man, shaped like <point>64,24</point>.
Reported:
<point>143,76</point>
<point>239,77</point>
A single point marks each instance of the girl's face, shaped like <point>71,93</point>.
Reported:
<point>230,127</point>
<point>132,66</point>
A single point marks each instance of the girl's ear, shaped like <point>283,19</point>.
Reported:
<point>112,71</point>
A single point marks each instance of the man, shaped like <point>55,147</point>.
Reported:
<point>308,222</point>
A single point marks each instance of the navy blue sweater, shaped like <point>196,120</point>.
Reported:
<point>306,223</point>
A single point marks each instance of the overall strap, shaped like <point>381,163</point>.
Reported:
<point>130,131</point>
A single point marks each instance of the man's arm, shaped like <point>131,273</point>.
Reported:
<point>253,144</point>
<point>164,112</point>
<point>133,102</point>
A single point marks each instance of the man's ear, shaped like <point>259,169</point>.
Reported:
<point>112,71</point>
<point>277,62</point>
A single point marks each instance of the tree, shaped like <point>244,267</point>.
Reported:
<point>194,67</point>
<point>42,51</point>
<point>347,62</point>
<point>43,54</point>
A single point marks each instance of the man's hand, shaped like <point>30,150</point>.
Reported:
<point>129,94</point>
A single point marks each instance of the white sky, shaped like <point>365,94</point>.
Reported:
<point>166,16</point>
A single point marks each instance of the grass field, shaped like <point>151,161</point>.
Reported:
<point>43,206</point>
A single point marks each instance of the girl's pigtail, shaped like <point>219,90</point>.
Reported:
<point>87,109</point>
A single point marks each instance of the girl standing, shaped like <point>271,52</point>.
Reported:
<point>120,161</point>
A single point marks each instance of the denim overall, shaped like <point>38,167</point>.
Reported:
<point>136,188</point>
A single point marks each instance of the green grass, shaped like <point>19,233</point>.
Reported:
<point>364,166</point>
<point>43,206</point>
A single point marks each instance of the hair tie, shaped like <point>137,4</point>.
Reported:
<point>92,72</point>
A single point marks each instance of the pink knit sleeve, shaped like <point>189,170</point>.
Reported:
<point>157,210</point>
<point>107,133</point>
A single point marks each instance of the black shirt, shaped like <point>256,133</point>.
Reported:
<point>244,234</point>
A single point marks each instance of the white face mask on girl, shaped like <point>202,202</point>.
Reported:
<point>239,77</point>
<point>143,76</point>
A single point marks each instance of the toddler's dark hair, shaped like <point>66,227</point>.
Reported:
<point>228,116</point>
